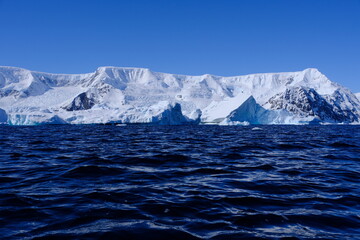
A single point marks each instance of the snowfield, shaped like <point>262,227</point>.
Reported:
<point>138,95</point>
<point>357,95</point>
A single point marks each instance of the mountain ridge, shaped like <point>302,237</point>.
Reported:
<point>137,95</point>
<point>140,68</point>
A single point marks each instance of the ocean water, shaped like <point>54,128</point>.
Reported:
<point>180,182</point>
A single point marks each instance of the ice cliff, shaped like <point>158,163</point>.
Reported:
<point>137,95</point>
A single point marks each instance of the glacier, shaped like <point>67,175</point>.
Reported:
<point>121,95</point>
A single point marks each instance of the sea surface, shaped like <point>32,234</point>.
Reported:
<point>179,182</point>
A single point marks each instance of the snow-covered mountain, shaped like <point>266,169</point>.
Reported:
<point>357,95</point>
<point>137,95</point>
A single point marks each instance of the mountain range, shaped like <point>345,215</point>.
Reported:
<point>118,95</point>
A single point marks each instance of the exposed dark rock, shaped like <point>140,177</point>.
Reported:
<point>81,102</point>
<point>307,102</point>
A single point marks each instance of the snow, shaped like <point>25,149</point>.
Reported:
<point>357,95</point>
<point>216,110</point>
<point>139,95</point>
<point>251,112</point>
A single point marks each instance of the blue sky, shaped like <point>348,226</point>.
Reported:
<point>222,37</point>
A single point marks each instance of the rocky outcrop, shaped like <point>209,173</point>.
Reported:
<point>83,101</point>
<point>306,102</point>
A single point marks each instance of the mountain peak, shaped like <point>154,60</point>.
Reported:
<point>112,68</point>
<point>358,95</point>
<point>312,70</point>
<point>131,95</point>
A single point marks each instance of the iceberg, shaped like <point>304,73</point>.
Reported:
<point>3,116</point>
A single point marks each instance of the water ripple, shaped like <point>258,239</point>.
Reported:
<point>184,182</point>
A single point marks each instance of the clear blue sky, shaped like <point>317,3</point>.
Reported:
<point>222,37</point>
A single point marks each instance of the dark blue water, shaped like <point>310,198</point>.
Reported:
<point>186,182</point>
